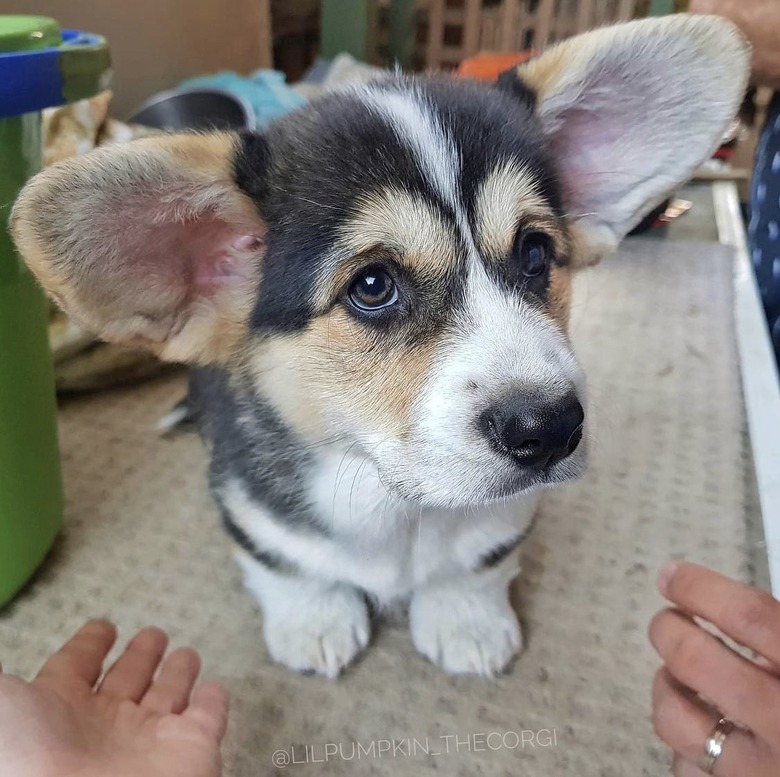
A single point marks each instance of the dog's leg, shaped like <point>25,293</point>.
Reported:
<point>467,625</point>
<point>309,625</point>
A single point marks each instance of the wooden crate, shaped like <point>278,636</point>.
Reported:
<point>461,28</point>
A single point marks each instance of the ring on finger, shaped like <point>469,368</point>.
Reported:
<point>713,745</point>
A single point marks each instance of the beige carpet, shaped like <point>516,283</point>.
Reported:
<point>669,477</point>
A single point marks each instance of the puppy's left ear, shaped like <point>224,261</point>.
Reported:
<point>631,111</point>
<point>150,243</point>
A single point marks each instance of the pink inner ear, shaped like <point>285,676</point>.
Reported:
<point>222,256</point>
<point>613,135</point>
<point>248,243</point>
<point>169,262</point>
<point>588,146</point>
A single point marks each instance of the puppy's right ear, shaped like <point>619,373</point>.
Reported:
<point>148,243</point>
<point>630,111</point>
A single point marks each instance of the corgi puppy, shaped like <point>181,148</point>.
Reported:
<point>374,294</point>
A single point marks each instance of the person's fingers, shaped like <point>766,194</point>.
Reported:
<point>209,709</point>
<point>683,768</point>
<point>740,689</point>
<point>765,663</point>
<point>77,665</point>
<point>684,724</point>
<point>748,615</point>
<point>133,672</point>
<point>170,691</point>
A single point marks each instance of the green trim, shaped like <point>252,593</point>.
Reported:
<point>28,33</point>
<point>403,17</point>
<point>30,478</point>
<point>661,7</point>
<point>86,70</point>
<point>348,26</point>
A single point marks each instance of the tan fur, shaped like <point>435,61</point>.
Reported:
<point>404,221</point>
<point>283,372</point>
<point>36,253</point>
<point>397,223</point>
<point>560,296</point>
<point>508,194</point>
<point>62,228</point>
<point>337,367</point>
<point>507,198</point>
<point>69,130</point>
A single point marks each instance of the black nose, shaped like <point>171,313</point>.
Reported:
<point>535,432</point>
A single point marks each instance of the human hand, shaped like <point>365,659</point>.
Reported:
<point>698,667</point>
<point>67,724</point>
<point>759,20</point>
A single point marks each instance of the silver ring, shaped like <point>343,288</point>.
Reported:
<point>713,744</point>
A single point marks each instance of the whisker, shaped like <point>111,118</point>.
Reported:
<point>318,204</point>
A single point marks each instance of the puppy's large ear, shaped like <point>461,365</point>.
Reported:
<point>631,111</point>
<point>148,243</point>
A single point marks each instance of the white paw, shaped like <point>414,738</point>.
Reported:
<point>465,632</point>
<point>322,634</point>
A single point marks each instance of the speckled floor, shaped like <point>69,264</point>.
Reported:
<point>670,476</point>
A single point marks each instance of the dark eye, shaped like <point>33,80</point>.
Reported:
<point>535,254</point>
<point>373,289</point>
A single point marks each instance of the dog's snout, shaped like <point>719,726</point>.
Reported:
<point>535,432</point>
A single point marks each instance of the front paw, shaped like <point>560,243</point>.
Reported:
<point>322,634</point>
<point>473,632</point>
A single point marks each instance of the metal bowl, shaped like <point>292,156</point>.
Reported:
<point>200,109</point>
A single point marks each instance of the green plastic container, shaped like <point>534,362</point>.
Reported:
<point>40,66</point>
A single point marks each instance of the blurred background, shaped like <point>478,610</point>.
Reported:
<point>157,43</point>
<point>180,64</point>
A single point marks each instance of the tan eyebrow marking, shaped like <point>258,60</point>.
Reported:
<point>404,224</point>
<point>508,193</point>
<point>404,221</point>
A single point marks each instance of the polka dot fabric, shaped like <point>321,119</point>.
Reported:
<point>764,226</point>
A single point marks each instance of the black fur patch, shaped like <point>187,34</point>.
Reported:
<point>323,159</point>
<point>510,82</point>
<point>490,125</point>
<point>495,556</point>
<point>251,444</point>
<point>269,559</point>
<point>251,165</point>
<point>309,170</point>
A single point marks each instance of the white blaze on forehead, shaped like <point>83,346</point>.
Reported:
<point>506,341</point>
<point>417,126</point>
<point>502,344</point>
<point>399,219</point>
<point>508,192</point>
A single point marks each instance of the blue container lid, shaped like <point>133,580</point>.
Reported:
<point>41,66</point>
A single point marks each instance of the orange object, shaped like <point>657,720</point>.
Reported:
<point>488,65</point>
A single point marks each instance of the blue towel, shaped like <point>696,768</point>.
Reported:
<point>264,90</point>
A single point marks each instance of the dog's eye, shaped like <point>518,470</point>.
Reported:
<point>373,289</point>
<point>536,252</point>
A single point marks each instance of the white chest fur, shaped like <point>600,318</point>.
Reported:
<point>372,539</point>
